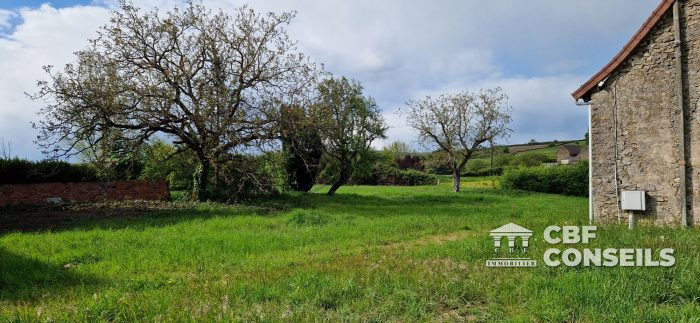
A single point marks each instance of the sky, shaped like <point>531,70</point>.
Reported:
<point>538,51</point>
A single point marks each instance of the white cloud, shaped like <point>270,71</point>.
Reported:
<point>6,17</point>
<point>45,36</point>
<point>538,52</point>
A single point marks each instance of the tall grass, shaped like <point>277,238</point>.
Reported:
<point>368,253</point>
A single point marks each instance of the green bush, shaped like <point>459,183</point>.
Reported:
<point>396,177</point>
<point>375,169</point>
<point>437,163</point>
<point>242,177</point>
<point>162,162</point>
<point>564,179</point>
<point>20,171</point>
<point>497,171</point>
<point>530,159</point>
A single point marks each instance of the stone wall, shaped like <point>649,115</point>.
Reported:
<point>83,192</point>
<point>636,113</point>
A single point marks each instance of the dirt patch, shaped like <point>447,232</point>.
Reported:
<point>49,217</point>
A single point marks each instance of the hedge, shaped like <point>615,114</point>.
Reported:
<point>393,176</point>
<point>496,171</point>
<point>564,179</point>
<point>20,171</point>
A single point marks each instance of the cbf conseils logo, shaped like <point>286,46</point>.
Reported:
<point>516,254</point>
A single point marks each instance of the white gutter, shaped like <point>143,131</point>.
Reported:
<point>590,161</point>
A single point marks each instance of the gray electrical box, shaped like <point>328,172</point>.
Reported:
<point>634,200</point>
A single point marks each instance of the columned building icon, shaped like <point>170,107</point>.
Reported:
<point>511,231</point>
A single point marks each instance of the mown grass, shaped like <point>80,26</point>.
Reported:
<point>368,253</point>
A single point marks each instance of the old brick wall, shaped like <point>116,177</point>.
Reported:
<point>642,97</point>
<point>83,192</point>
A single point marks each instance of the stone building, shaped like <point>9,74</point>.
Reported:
<point>567,154</point>
<point>645,119</point>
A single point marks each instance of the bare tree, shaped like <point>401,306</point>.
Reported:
<point>348,123</point>
<point>211,81</point>
<point>5,149</point>
<point>458,124</point>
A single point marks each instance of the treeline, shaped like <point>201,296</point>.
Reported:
<point>239,176</point>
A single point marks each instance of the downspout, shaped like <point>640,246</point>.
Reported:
<point>681,112</point>
<point>589,106</point>
<point>590,165</point>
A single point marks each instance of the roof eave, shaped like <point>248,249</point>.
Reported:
<point>586,90</point>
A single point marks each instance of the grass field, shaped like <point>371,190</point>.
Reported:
<point>369,253</point>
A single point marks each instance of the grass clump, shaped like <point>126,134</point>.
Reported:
<point>305,218</point>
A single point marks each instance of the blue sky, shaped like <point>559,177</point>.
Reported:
<point>11,4</point>
<point>539,51</point>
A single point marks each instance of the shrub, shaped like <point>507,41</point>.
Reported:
<point>564,179</point>
<point>379,173</point>
<point>530,160</point>
<point>20,171</point>
<point>162,162</point>
<point>396,177</point>
<point>437,163</point>
<point>244,177</point>
<point>475,165</point>
<point>497,171</point>
<point>410,162</point>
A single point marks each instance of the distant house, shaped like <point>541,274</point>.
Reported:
<point>584,154</point>
<point>568,154</point>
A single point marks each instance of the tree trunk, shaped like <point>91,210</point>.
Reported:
<point>455,180</point>
<point>344,177</point>
<point>201,179</point>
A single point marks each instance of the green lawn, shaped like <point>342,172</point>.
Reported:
<point>369,253</point>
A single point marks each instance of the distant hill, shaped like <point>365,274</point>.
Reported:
<point>548,148</point>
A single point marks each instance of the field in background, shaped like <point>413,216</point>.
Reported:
<point>369,253</point>
<point>549,149</point>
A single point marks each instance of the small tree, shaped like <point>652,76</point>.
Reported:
<point>348,122</point>
<point>459,123</point>
<point>5,149</point>
<point>302,146</point>
<point>398,150</point>
<point>211,82</point>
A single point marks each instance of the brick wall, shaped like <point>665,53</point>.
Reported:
<point>83,192</point>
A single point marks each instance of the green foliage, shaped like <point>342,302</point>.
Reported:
<point>438,163</point>
<point>302,146</point>
<point>567,180</point>
<point>496,171</point>
<point>113,156</point>
<point>163,161</point>
<point>371,254</point>
<point>348,122</point>
<point>376,168</point>
<point>529,160</point>
<point>301,218</point>
<point>398,150</point>
<point>502,160</point>
<point>245,177</point>
<point>20,171</point>
<point>393,176</point>
<point>475,165</point>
